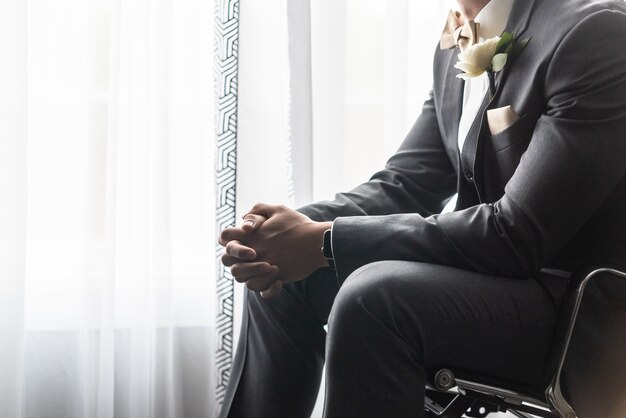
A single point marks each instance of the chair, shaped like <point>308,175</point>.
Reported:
<point>449,396</point>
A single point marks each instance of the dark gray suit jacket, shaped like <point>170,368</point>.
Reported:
<point>549,191</point>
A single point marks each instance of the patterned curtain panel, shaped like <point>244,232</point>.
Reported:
<point>226,78</point>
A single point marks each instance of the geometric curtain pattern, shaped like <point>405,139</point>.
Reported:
<point>226,74</point>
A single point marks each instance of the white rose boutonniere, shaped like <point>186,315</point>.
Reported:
<point>477,59</point>
<point>489,56</point>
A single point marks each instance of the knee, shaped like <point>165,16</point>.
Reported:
<point>365,295</point>
<point>388,292</point>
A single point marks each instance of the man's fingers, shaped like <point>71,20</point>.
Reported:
<point>229,261</point>
<point>238,250</point>
<point>242,272</point>
<point>252,222</point>
<point>262,282</point>
<point>231,234</point>
<point>273,290</point>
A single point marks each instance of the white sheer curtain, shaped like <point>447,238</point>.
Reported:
<point>106,214</point>
<point>339,81</point>
<point>372,70</point>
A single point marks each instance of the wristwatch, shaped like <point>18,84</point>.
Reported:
<point>327,248</point>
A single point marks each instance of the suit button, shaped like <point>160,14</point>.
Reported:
<point>469,175</point>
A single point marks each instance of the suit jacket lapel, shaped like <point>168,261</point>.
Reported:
<point>449,100</point>
<point>517,24</point>
<point>519,17</point>
<point>452,103</point>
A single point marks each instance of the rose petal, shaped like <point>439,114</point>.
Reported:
<point>477,58</point>
<point>465,76</point>
<point>465,67</point>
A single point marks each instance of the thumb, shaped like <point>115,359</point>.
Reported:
<point>265,210</point>
<point>252,222</point>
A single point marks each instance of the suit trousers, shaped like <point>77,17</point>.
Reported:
<point>390,325</point>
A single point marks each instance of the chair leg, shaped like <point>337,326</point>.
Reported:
<point>481,410</point>
<point>456,408</point>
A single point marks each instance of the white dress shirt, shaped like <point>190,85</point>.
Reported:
<point>492,19</point>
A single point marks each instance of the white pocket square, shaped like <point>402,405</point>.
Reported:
<point>501,118</point>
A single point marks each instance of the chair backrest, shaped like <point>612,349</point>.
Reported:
<point>592,370</point>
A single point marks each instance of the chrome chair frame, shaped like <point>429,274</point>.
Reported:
<point>478,400</point>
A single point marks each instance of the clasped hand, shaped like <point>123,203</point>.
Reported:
<point>274,245</point>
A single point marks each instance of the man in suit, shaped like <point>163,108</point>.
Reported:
<point>537,154</point>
